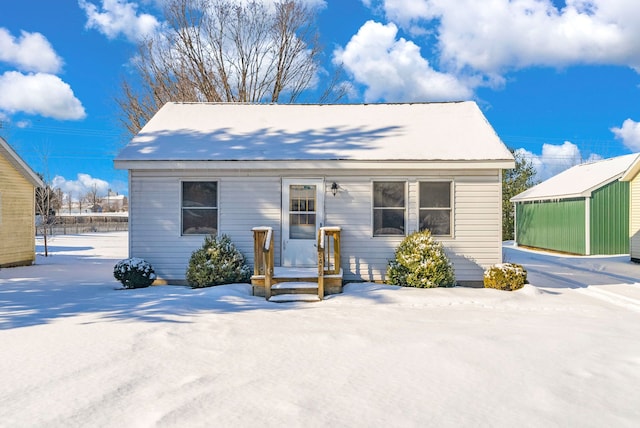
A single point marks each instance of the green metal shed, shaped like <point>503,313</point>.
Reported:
<point>583,210</point>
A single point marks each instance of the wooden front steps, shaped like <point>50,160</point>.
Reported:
<point>270,281</point>
<point>296,284</point>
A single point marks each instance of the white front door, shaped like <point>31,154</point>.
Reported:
<point>302,216</point>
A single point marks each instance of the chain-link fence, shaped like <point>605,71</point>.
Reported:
<point>68,225</point>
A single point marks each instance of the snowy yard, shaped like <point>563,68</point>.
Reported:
<point>563,351</point>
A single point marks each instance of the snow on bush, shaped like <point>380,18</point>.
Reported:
<point>420,261</point>
<point>134,273</point>
<point>505,276</point>
<point>217,262</point>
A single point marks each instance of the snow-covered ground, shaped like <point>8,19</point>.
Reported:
<point>74,352</point>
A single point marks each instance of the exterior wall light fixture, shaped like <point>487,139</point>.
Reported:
<point>334,188</point>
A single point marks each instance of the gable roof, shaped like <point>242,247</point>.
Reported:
<point>633,170</point>
<point>12,157</point>
<point>433,132</point>
<point>579,181</point>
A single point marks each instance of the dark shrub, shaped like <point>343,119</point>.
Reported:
<point>134,273</point>
<point>217,262</point>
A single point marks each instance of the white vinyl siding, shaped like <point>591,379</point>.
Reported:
<point>155,216</point>
<point>254,199</point>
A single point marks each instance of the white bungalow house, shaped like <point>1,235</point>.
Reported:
<point>375,171</point>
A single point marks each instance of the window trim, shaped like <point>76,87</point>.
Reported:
<point>451,208</point>
<point>182,208</point>
<point>405,208</point>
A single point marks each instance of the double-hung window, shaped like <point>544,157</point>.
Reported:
<point>199,207</point>
<point>435,207</point>
<point>389,208</point>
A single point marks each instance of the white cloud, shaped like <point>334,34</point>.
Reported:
<point>629,133</point>
<point>556,158</point>
<point>393,69</point>
<point>29,52</point>
<point>500,35</point>
<point>84,184</point>
<point>116,17</point>
<point>40,93</point>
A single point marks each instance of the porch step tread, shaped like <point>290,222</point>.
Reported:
<point>283,298</point>
<point>284,272</point>
<point>295,272</point>
<point>294,284</point>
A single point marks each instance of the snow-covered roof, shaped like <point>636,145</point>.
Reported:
<point>17,162</point>
<point>455,131</point>
<point>579,181</point>
<point>633,170</point>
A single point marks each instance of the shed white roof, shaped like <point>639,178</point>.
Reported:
<point>12,157</point>
<point>579,181</point>
<point>456,131</point>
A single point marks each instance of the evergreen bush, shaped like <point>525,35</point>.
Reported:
<point>420,261</point>
<point>217,262</point>
<point>505,276</point>
<point>134,273</point>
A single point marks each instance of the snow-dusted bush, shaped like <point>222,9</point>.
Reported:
<point>217,262</point>
<point>505,276</point>
<point>134,273</point>
<point>420,261</point>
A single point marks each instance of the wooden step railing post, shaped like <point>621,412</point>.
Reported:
<point>263,256</point>
<point>321,255</point>
<point>328,261</point>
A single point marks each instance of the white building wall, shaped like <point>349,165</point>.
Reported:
<point>254,199</point>
<point>475,245</point>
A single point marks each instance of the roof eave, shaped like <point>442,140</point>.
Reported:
<point>632,171</point>
<point>19,164</point>
<point>515,199</point>
<point>136,164</point>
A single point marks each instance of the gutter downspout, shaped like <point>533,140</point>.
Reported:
<point>515,224</point>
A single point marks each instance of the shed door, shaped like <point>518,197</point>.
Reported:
<point>302,216</point>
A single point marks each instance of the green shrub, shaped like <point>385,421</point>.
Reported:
<point>505,276</point>
<point>420,261</point>
<point>217,262</point>
<point>134,273</point>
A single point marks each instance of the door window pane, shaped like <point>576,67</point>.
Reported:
<point>302,215</point>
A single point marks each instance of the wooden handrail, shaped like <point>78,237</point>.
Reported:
<point>329,244</point>
<point>328,260</point>
<point>263,258</point>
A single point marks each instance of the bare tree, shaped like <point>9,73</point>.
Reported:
<point>46,199</point>
<point>92,198</point>
<point>69,201</point>
<point>227,51</point>
<point>46,203</point>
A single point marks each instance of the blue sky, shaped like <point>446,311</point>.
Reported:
<point>559,80</point>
